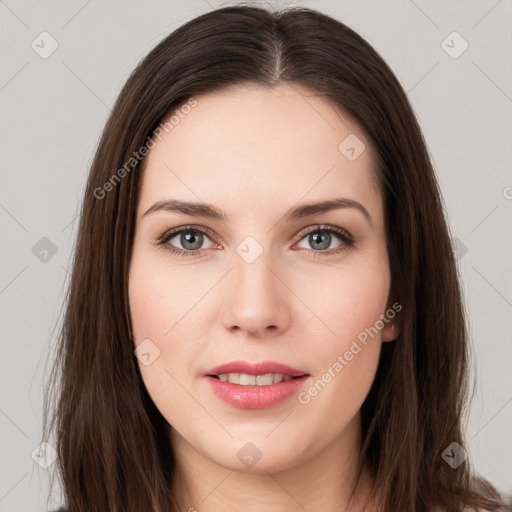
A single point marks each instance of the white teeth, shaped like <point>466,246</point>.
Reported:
<point>265,380</point>
<point>278,377</point>
<point>245,379</point>
<point>234,378</point>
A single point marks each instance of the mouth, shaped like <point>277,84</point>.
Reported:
<point>244,379</point>
<point>255,386</point>
<point>245,371</point>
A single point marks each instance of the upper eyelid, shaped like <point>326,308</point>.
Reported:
<point>324,227</point>
<point>202,229</point>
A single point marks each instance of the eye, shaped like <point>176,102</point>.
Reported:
<point>186,241</point>
<point>321,238</point>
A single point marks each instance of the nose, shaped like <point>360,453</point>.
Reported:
<point>257,300</point>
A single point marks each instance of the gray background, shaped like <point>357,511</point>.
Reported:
<point>53,111</point>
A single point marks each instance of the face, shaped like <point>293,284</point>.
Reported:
<point>264,282</point>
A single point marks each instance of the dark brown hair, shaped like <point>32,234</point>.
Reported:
<point>113,449</point>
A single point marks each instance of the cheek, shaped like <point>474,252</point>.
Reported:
<point>147,307</point>
<point>152,307</point>
<point>162,313</point>
<point>156,298</point>
<point>347,299</point>
<point>350,304</point>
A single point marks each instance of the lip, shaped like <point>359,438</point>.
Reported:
<point>255,369</point>
<point>255,397</point>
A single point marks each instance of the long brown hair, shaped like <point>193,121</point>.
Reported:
<point>113,449</point>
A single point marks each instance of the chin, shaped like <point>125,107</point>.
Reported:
<point>258,457</point>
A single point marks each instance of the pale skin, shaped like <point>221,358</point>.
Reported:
<point>256,153</point>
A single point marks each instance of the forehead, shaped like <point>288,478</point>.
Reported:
<point>260,144</point>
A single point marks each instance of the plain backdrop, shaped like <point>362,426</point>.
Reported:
<point>54,108</point>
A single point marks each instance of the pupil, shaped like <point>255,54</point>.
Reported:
<point>322,239</point>
<point>187,240</point>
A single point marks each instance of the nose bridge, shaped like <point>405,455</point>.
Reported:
<point>253,276</point>
<point>257,302</point>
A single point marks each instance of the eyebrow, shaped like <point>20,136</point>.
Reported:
<point>297,212</point>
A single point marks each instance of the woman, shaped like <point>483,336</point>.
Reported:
<point>264,311</point>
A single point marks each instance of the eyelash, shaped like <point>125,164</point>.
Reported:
<point>347,240</point>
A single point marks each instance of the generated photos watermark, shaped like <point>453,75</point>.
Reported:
<point>137,156</point>
<point>344,359</point>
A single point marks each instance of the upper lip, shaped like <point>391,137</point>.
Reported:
<point>255,368</point>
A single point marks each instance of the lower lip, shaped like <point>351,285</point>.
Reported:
<point>255,397</point>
